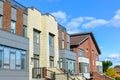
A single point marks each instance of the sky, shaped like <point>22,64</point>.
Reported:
<point>102,17</point>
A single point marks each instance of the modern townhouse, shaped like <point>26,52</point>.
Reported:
<point>43,40</point>
<point>14,46</point>
<point>87,52</point>
<point>67,58</point>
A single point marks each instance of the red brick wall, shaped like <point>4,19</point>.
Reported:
<point>89,46</point>
<point>91,54</point>
<point>6,20</point>
<point>19,22</point>
<point>65,40</point>
<point>60,38</point>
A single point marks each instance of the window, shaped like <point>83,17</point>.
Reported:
<point>62,44</point>
<point>36,61</point>
<point>51,40</point>
<point>68,38</point>
<point>0,58</point>
<point>11,58</point>
<point>51,61</point>
<point>36,36</point>
<point>6,57</point>
<point>81,52</point>
<point>66,65</point>
<point>0,21</point>
<point>13,26</point>
<point>68,45</point>
<point>62,35</point>
<point>18,59</point>
<point>23,60</point>
<point>61,63</point>
<point>24,32</point>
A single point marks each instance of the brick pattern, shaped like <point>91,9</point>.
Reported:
<point>19,22</point>
<point>90,52</point>
<point>60,38</point>
<point>65,40</point>
<point>6,16</point>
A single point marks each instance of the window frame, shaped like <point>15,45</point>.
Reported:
<point>13,27</point>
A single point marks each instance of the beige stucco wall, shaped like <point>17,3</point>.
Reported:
<point>34,21</point>
<point>46,24</point>
<point>49,25</point>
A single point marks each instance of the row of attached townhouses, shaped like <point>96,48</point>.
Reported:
<point>34,46</point>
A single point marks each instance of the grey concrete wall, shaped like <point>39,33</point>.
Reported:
<point>13,40</point>
<point>13,75</point>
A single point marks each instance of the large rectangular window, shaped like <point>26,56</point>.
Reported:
<point>0,21</point>
<point>13,26</point>
<point>51,61</point>
<point>6,57</point>
<point>36,36</point>
<point>24,32</point>
<point>51,40</point>
<point>11,58</point>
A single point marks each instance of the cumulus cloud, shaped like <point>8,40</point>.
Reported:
<point>115,21</point>
<point>95,23</point>
<point>60,16</point>
<point>87,22</point>
<point>114,58</point>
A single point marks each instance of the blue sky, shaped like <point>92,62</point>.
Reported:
<point>102,17</point>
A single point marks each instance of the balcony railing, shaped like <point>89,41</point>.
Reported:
<point>38,72</point>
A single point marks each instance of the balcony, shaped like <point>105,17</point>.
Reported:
<point>38,73</point>
<point>83,60</point>
<point>67,54</point>
<point>98,63</point>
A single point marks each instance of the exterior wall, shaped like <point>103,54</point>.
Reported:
<point>19,22</point>
<point>90,52</point>
<point>6,16</point>
<point>60,30</point>
<point>49,25</point>
<point>12,40</point>
<point>34,22</point>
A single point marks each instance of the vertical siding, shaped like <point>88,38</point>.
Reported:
<point>6,16</point>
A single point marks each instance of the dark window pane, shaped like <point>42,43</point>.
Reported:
<point>0,58</point>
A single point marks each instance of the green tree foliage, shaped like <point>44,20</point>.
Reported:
<point>111,72</point>
<point>117,66</point>
<point>117,78</point>
<point>106,65</point>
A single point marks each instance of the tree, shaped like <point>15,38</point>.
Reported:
<point>106,65</point>
<point>117,66</point>
<point>111,72</point>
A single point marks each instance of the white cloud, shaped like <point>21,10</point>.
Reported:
<point>95,23</point>
<point>114,58</point>
<point>60,16</point>
<point>115,21</point>
<point>75,22</point>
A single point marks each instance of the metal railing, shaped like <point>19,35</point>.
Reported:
<point>37,72</point>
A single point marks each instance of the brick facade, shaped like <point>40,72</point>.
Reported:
<point>65,40</point>
<point>60,38</point>
<point>19,22</point>
<point>6,16</point>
